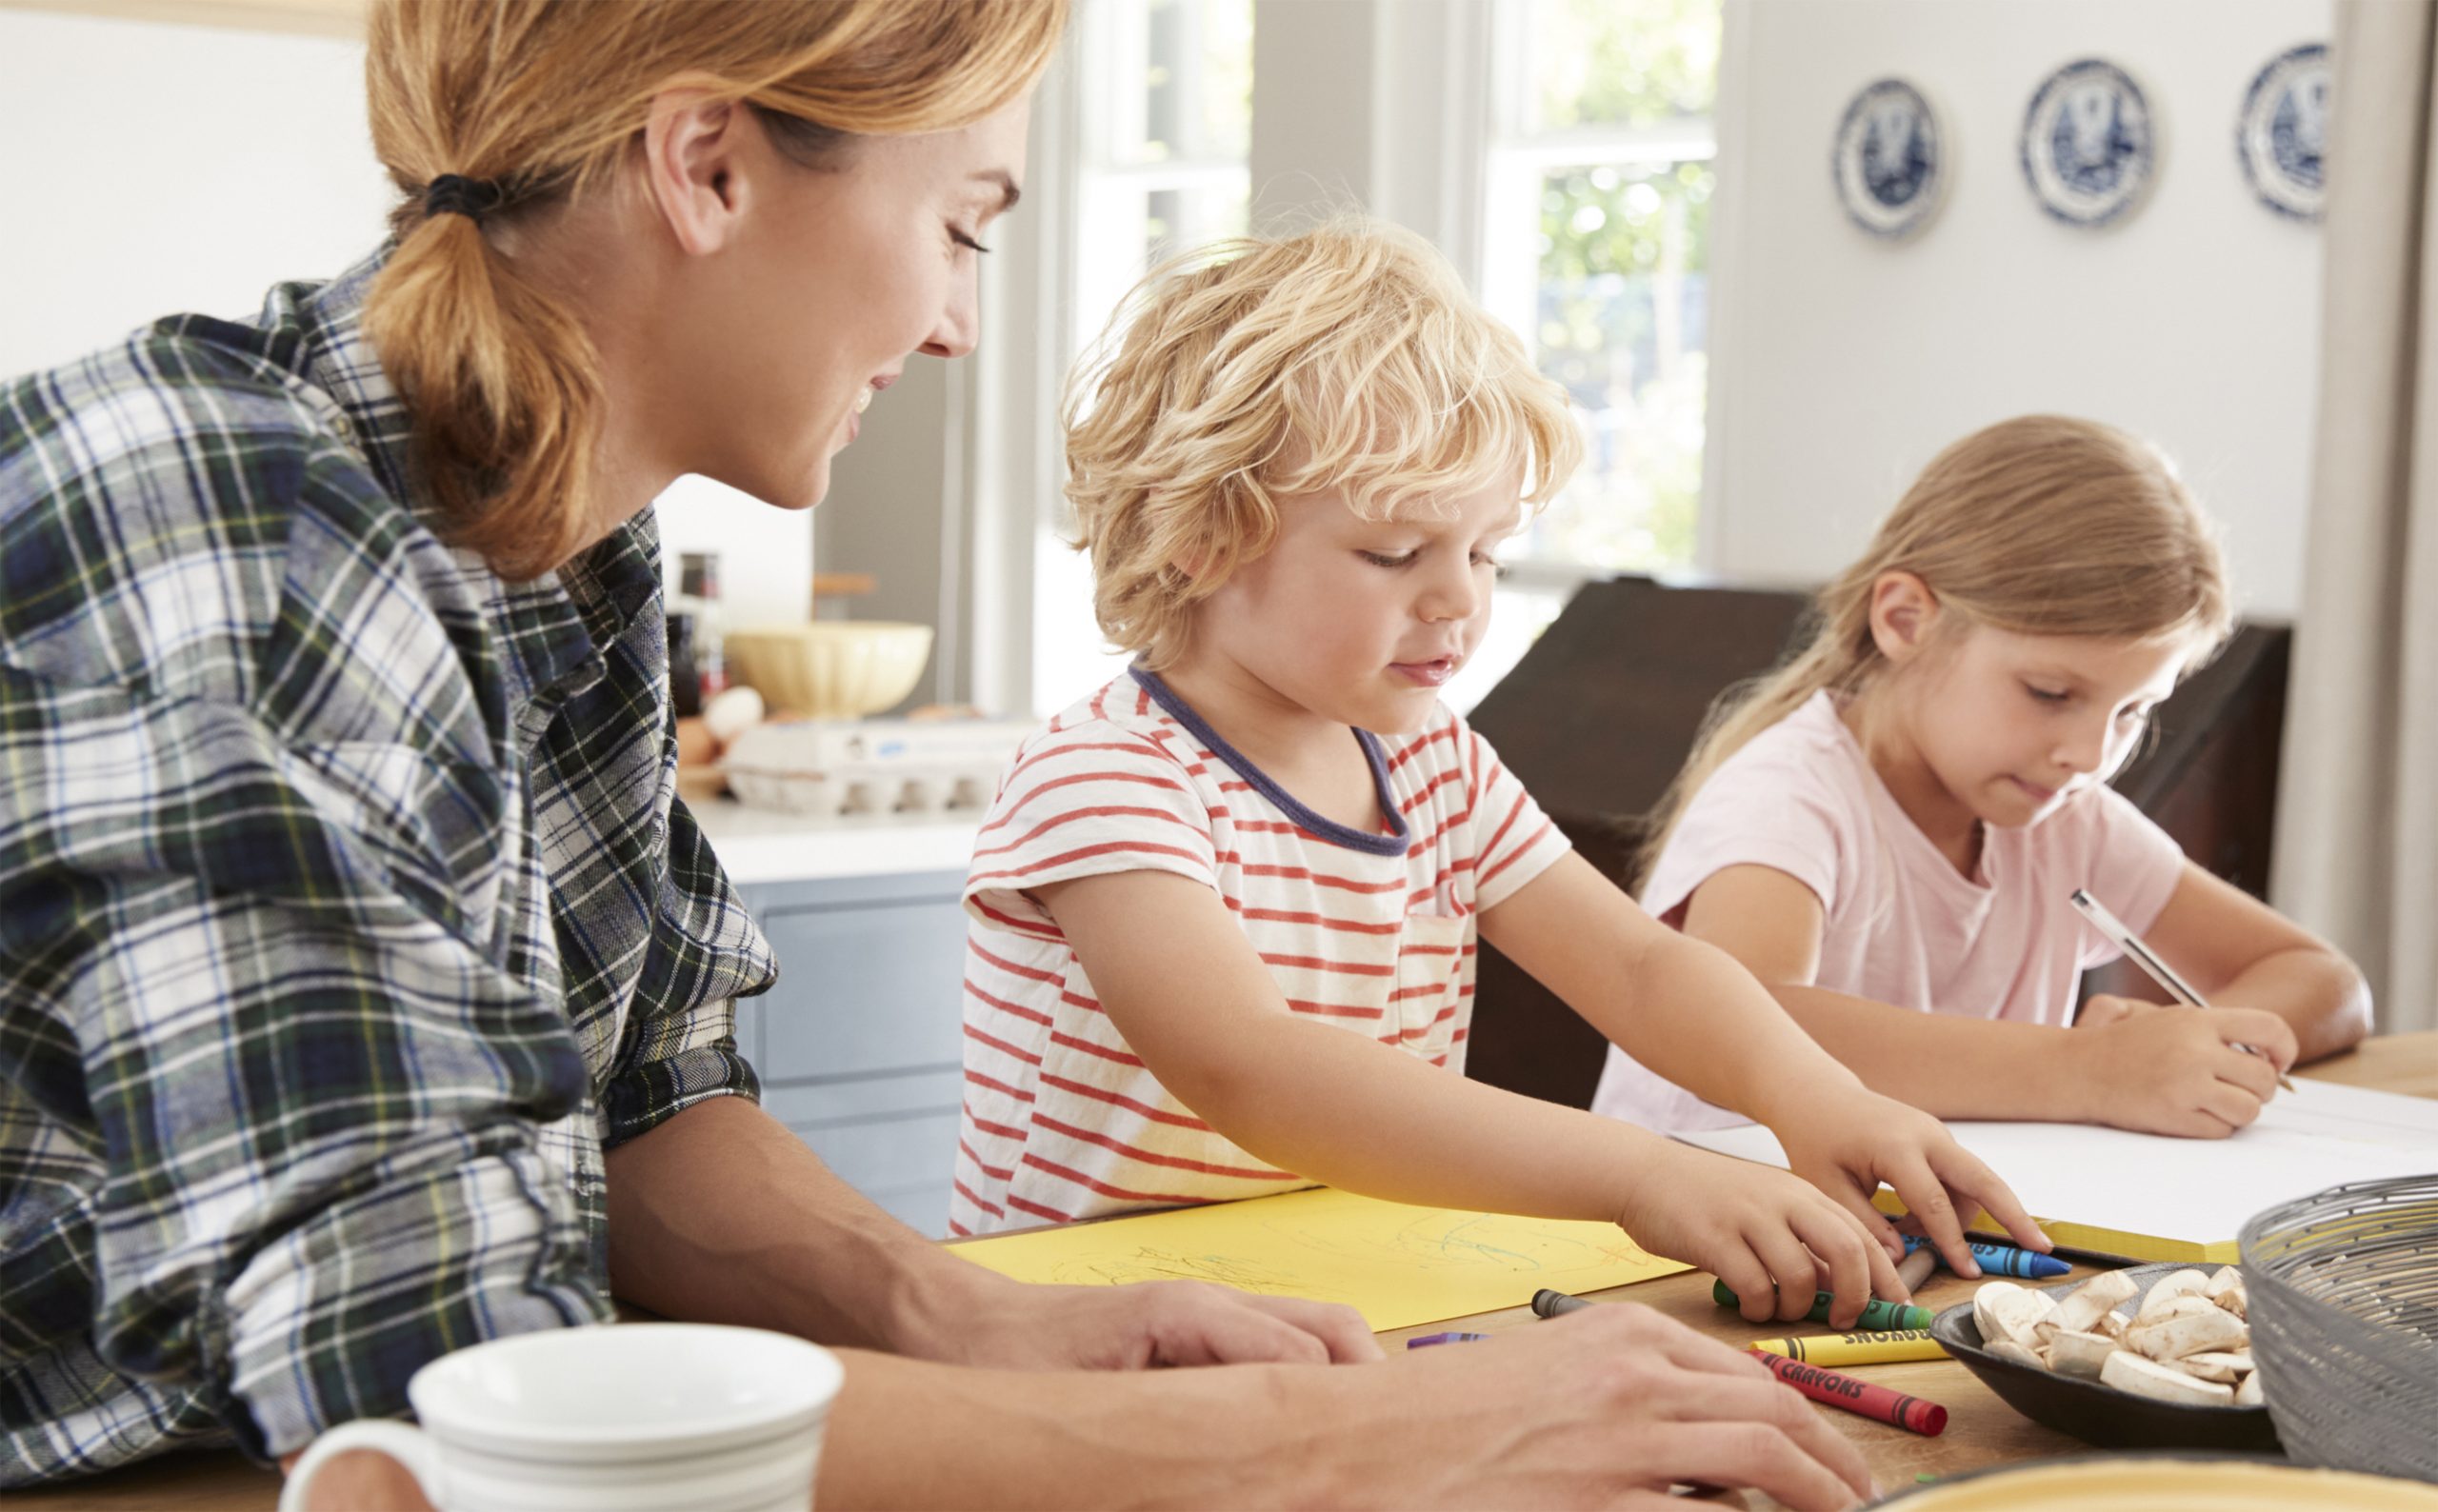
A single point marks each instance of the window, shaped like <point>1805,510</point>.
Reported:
<point>1597,187</point>
<point>1164,126</point>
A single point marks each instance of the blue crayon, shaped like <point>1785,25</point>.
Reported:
<point>2005,1260</point>
<point>1441,1338</point>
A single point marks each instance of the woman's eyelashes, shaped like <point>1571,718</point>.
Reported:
<point>964,239</point>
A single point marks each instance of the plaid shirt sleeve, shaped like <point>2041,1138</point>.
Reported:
<point>259,1002</point>
<point>676,1055</point>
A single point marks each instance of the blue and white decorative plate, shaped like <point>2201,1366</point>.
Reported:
<point>2282,129</point>
<point>1889,161</point>
<point>2088,149</point>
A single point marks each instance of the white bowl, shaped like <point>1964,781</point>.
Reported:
<point>830,668</point>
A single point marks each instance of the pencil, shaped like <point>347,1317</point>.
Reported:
<point>2138,950</point>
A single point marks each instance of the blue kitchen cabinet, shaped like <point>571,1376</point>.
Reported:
<point>858,1044</point>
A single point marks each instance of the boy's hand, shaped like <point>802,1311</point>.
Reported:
<point>1849,1144</point>
<point>2177,1070</point>
<point>1773,1239</point>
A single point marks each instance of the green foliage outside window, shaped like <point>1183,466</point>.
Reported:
<point>1622,309</point>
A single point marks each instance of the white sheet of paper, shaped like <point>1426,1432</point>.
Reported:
<point>2181,1195</point>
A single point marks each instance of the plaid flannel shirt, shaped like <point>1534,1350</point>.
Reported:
<point>347,909</point>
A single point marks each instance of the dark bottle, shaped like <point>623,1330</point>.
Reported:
<point>685,684</point>
<point>698,602</point>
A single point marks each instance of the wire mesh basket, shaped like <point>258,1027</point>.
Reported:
<point>2342,1290</point>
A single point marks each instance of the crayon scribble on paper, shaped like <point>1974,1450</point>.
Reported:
<point>1395,1263</point>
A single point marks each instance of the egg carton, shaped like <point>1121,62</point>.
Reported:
<point>845,769</point>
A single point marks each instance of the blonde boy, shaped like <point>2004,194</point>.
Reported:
<point>1224,910</point>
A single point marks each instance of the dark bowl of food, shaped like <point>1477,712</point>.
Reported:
<point>2090,1409</point>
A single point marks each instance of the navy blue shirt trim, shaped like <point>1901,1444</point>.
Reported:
<point>1395,841</point>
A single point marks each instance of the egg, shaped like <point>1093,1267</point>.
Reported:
<point>732,713</point>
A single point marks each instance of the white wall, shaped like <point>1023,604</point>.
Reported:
<point>153,169</point>
<point>1840,363</point>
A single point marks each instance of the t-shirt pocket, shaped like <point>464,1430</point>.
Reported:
<point>1430,969</point>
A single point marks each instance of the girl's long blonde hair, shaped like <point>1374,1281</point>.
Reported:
<point>542,97</point>
<point>2042,525</point>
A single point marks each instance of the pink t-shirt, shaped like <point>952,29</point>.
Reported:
<point>1903,926</point>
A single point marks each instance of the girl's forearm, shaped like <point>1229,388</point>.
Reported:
<point>1949,1067</point>
<point>2318,993</point>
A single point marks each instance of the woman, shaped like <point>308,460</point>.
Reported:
<point>367,987</point>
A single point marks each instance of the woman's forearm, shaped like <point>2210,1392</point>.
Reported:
<point>913,1434</point>
<point>720,1215</point>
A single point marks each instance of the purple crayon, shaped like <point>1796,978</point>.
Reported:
<point>1441,1338</point>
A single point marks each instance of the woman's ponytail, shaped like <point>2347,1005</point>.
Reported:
<point>505,388</point>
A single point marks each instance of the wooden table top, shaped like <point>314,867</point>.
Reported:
<point>1981,1430</point>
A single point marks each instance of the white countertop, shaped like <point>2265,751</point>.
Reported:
<point>761,845</point>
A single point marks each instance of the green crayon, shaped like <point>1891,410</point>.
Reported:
<point>1878,1316</point>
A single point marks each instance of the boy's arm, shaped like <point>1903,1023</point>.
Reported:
<point>1181,982</point>
<point>2169,1074</point>
<point>2239,952</point>
<point>1690,1013</point>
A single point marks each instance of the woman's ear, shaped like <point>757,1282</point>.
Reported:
<point>695,151</point>
<point>1903,611</point>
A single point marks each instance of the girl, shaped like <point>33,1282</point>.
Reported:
<point>1887,829</point>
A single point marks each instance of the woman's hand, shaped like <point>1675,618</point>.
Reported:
<point>1607,1407</point>
<point>360,1481</point>
<point>2175,1070</point>
<point>1011,1326</point>
<point>1773,1240</point>
<point>1849,1143</point>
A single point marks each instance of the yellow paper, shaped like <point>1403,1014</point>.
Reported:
<point>1395,1264</point>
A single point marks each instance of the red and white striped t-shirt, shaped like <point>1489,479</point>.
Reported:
<point>1373,931</point>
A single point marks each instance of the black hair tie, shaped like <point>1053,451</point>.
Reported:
<point>455,194</point>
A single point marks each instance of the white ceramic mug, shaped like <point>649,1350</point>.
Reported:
<point>618,1418</point>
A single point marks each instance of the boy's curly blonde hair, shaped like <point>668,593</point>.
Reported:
<point>1349,358</point>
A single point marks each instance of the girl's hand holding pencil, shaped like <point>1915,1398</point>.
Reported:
<point>2156,1069</point>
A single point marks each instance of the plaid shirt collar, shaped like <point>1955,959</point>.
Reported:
<point>556,624</point>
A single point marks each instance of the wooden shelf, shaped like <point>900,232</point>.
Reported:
<point>320,18</point>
